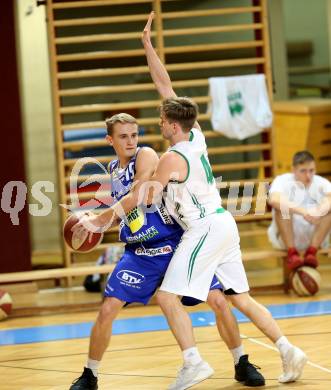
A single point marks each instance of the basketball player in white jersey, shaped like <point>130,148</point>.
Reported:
<point>210,243</point>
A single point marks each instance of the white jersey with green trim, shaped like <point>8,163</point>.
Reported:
<point>196,196</point>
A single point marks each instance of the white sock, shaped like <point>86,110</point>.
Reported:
<point>191,356</point>
<point>283,345</point>
<point>237,353</point>
<point>93,365</point>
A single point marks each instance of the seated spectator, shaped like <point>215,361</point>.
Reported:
<point>301,211</point>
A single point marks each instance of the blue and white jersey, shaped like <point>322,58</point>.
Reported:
<point>141,225</point>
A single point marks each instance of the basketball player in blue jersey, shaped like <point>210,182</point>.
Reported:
<point>151,238</point>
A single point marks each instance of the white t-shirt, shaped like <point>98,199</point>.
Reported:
<point>296,192</point>
<point>302,196</point>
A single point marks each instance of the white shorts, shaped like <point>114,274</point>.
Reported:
<point>303,233</point>
<point>211,247</point>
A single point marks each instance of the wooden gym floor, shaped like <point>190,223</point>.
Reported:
<point>149,360</point>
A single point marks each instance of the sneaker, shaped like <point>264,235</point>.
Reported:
<point>247,373</point>
<point>87,381</point>
<point>293,364</point>
<point>190,375</point>
<point>293,260</point>
<point>310,258</point>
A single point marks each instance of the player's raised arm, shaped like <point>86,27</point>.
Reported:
<point>157,70</point>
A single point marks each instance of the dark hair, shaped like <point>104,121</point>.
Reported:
<point>302,157</point>
<point>182,110</point>
<point>119,118</point>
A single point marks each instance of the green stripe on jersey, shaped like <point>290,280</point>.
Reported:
<point>188,167</point>
<point>191,136</point>
<point>198,205</point>
<point>220,210</point>
<point>194,255</point>
<point>207,169</point>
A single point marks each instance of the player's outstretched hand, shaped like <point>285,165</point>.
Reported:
<point>146,35</point>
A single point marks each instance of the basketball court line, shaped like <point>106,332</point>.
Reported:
<point>124,375</point>
<point>253,340</point>
<point>131,349</point>
<point>151,323</point>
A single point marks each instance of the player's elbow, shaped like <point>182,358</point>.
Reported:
<point>271,203</point>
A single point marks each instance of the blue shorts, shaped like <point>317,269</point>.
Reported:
<point>140,272</point>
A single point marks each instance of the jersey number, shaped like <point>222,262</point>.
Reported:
<point>207,169</point>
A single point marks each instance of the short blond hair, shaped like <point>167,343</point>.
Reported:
<point>119,118</point>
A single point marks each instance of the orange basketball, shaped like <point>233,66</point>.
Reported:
<point>80,244</point>
<point>306,281</point>
<point>5,304</point>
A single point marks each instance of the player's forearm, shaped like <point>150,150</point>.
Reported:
<point>285,205</point>
<point>158,72</point>
<point>324,207</point>
<point>119,209</point>
<point>297,210</point>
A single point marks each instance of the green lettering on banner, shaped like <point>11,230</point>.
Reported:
<point>235,103</point>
